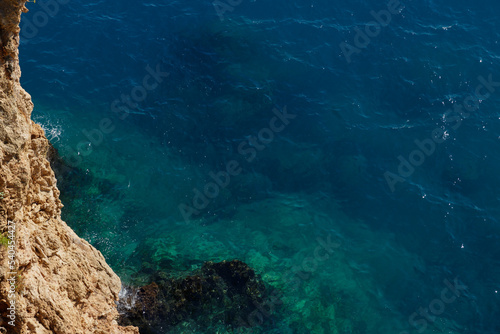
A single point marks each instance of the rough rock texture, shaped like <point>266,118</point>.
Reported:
<point>217,297</point>
<point>63,284</point>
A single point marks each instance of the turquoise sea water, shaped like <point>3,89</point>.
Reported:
<point>347,151</point>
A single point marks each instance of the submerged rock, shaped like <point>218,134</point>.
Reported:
<point>218,295</point>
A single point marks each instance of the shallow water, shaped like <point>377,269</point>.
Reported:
<point>143,147</point>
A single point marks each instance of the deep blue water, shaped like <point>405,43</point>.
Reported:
<point>390,148</point>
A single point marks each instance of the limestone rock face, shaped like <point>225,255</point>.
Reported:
<point>62,284</point>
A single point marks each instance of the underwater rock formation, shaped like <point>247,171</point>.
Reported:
<point>218,295</point>
<point>51,281</point>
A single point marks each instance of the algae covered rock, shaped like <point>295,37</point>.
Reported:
<point>218,296</point>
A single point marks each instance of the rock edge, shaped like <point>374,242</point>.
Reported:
<point>62,284</point>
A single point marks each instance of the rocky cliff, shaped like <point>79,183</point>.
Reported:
<point>51,281</point>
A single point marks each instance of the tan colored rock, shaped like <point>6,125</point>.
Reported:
<point>63,284</point>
